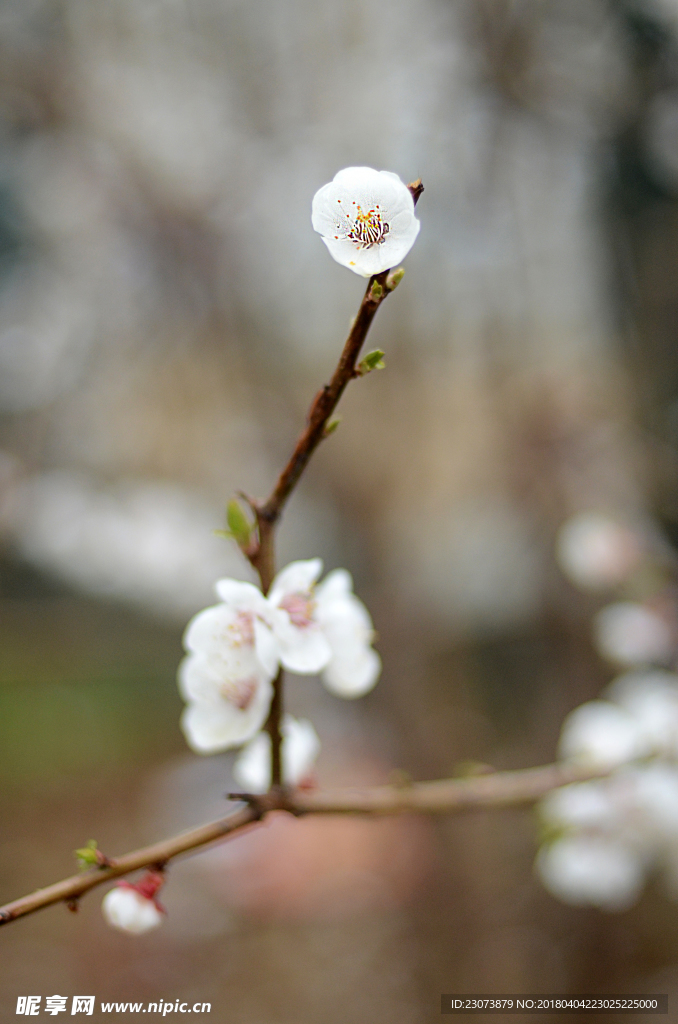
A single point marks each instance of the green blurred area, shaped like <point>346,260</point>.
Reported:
<point>87,689</point>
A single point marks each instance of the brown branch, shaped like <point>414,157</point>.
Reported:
<point>325,402</point>
<point>150,856</point>
<point>497,789</point>
<point>274,729</point>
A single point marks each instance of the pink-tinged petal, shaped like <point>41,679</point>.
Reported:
<point>210,679</point>
<point>212,727</point>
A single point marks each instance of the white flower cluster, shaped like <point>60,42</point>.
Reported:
<point>599,554</point>
<point>603,837</point>
<point>236,648</point>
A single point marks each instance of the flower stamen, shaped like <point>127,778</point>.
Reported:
<point>368,228</point>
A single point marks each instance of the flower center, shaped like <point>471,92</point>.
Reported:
<point>300,608</point>
<point>241,630</point>
<point>239,692</point>
<point>368,228</point>
<point>365,229</point>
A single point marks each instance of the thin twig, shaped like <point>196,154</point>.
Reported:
<point>497,789</point>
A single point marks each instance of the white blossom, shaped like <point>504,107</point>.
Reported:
<point>652,699</point>
<point>632,634</point>
<point>596,552</point>
<point>226,677</point>
<point>299,750</point>
<point>589,869</point>
<point>324,628</point>
<point>601,735</point>
<point>582,805</point>
<point>126,909</point>
<point>366,219</point>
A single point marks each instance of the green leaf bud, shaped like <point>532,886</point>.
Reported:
<point>238,523</point>
<point>372,361</point>
<point>394,278</point>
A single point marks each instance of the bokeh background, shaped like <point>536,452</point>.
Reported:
<point>167,313</point>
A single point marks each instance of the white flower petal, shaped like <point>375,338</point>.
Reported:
<point>337,584</point>
<point>209,629</point>
<point>355,666</point>
<point>581,805</point>
<point>632,634</point>
<point>305,651</point>
<point>295,578</point>
<point>213,726</point>
<point>591,870</point>
<point>212,678</point>
<point>652,699</point>
<point>129,911</point>
<point>596,552</point>
<point>239,594</point>
<point>252,768</point>
<point>300,748</point>
<point>353,678</point>
<point>601,735</point>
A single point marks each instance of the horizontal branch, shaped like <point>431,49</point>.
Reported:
<point>445,796</point>
<point>496,789</point>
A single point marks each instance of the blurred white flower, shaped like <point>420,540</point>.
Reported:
<point>300,748</point>
<point>652,699</point>
<point>580,806</point>
<point>586,869</point>
<point>595,552</point>
<point>226,677</point>
<point>601,735</point>
<point>134,908</point>
<point>354,666</point>
<point>366,219</point>
<point>632,634</point>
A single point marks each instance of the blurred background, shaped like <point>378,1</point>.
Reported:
<point>167,314</point>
